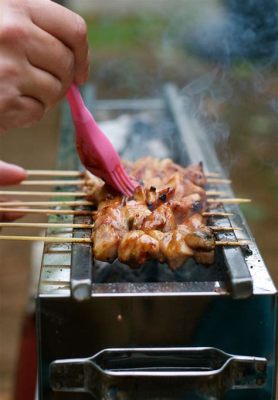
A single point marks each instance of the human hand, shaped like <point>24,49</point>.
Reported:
<point>10,174</point>
<point>43,49</point>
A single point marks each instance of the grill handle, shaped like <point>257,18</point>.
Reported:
<point>149,371</point>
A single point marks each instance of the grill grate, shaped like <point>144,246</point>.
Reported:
<point>162,128</point>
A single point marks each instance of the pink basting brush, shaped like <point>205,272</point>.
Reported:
<point>95,150</point>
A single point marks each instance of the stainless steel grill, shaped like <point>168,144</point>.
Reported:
<point>154,333</point>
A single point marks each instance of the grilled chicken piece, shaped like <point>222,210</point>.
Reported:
<point>147,169</point>
<point>161,221</point>
<point>174,249</point>
<point>184,187</point>
<point>185,208</point>
<point>136,214</point>
<point>201,238</point>
<point>110,226</point>
<point>137,247</point>
<point>180,244</point>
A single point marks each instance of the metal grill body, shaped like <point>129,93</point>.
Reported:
<point>107,332</point>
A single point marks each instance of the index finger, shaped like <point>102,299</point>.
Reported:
<point>67,26</point>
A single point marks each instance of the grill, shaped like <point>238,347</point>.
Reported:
<point>109,332</point>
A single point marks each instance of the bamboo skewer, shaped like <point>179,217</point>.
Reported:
<point>229,201</point>
<point>53,182</point>
<point>48,194</point>
<point>45,203</point>
<point>47,211</point>
<point>73,194</point>
<point>47,239</point>
<point>231,243</point>
<point>222,228</point>
<point>83,226</point>
<point>212,174</point>
<point>88,240</point>
<point>218,180</point>
<point>43,225</point>
<point>75,173</point>
<point>39,172</point>
<point>216,214</point>
<point>215,193</point>
<point>83,182</point>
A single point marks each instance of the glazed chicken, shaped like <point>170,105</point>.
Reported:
<point>161,221</point>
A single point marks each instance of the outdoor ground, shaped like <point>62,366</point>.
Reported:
<point>132,56</point>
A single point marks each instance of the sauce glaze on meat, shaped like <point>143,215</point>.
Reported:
<point>162,220</point>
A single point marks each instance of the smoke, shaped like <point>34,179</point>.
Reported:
<point>204,99</point>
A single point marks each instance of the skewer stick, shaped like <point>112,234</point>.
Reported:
<point>231,243</point>
<point>45,203</point>
<point>217,180</point>
<point>216,214</point>
<point>222,228</point>
<point>47,211</point>
<point>212,174</point>
<point>229,201</point>
<point>215,193</point>
<point>85,226</point>
<point>48,194</point>
<point>48,239</point>
<point>54,239</point>
<point>44,172</point>
<point>53,182</point>
<point>39,172</point>
<point>42,225</point>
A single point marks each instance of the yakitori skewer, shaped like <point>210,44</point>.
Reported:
<point>85,226</point>
<point>82,182</point>
<point>78,194</point>
<point>35,193</point>
<point>218,180</point>
<point>54,182</point>
<point>59,173</point>
<point>222,228</point>
<point>53,203</point>
<point>51,239</point>
<point>81,212</point>
<point>89,240</point>
<point>215,193</point>
<point>216,214</point>
<point>43,225</point>
<point>231,243</point>
<point>229,200</point>
<point>212,174</point>
<point>46,211</point>
<point>39,172</point>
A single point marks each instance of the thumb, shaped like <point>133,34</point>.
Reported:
<point>11,174</point>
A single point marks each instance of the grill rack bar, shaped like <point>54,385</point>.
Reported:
<point>200,149</point>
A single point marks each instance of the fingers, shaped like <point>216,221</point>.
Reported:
<point>11,174</point>
<point>42,86</point>
<point>59,61</point>
<point>69,28</point>
<point>18,111</point>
